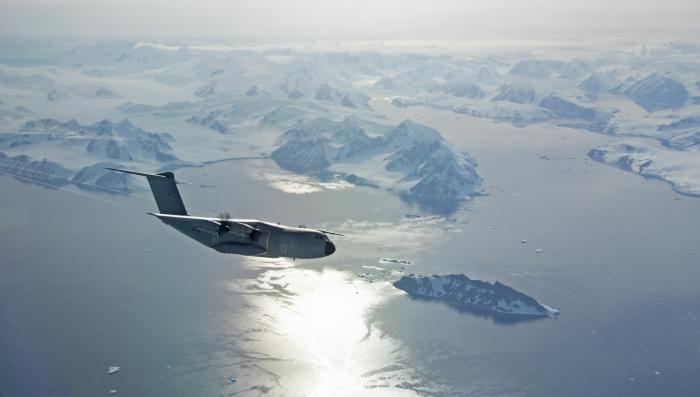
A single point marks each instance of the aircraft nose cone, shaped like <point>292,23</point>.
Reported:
<point>330,248</point>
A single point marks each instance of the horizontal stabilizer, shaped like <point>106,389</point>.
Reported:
<point>160,175</point>
<point>131,172</point>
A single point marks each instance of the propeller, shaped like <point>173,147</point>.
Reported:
<point>335,234</point>
<point>224,221</point>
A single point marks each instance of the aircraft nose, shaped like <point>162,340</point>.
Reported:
<point>330,248</point>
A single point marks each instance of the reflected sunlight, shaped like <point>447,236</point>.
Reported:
<point>319,322</point>
<point>328,320</point>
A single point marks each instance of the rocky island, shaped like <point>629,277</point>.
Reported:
<point>458,291</point>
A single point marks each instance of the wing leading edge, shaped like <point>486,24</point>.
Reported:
<point>210,225</point>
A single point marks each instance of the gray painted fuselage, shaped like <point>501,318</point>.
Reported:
<point>268,240</point>
<point>233,236</point>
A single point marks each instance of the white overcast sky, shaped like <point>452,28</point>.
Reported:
<point>286,20</point>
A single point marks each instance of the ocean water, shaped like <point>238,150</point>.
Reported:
<point>88,280</point>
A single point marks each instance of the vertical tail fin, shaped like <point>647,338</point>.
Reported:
<point>164,191</point>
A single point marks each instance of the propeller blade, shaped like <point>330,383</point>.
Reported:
<point>224,222</point>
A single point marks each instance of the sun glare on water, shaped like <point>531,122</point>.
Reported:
<point>319,326</point>
<point>328,321</point>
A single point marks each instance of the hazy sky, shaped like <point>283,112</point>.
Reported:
<point>284,20</point>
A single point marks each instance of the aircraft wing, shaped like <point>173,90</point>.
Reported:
<point>210,225</point>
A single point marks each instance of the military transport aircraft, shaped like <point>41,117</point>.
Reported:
<point>234,236</point>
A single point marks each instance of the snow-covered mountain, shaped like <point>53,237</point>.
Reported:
<point>681,169</point>
<point>683,134</point>
<point>96,177</point>
<point>433,174</point>
<point>690,140</point>
<point>542,69</point>
<point>53,152</point>
<point>515,113</point>
<point>326,93</point>
<point>531,68</point>
<point>174,108</point>
<point>303,155</point>
<point>516,93</point>
<point>313,145</point>
<point>656,92</point>
<point>254,90</point>
<point>283,115</point>
<point>561,108</point>
<point>124,55</point>
<point>463,89</point>
<point>210,120</point>
<point>598,83</point>
<point>249,96</point>
<point>104,139</point>
<point>464,294</point>
<point>43,171</point>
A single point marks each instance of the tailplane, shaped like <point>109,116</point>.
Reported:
<point>164,191</point>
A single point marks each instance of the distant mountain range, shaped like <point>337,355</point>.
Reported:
<point>229,99</point>
<point>57,153</point>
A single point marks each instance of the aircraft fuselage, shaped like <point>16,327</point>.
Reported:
<point>233,236</point>
<point>268,240</point>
